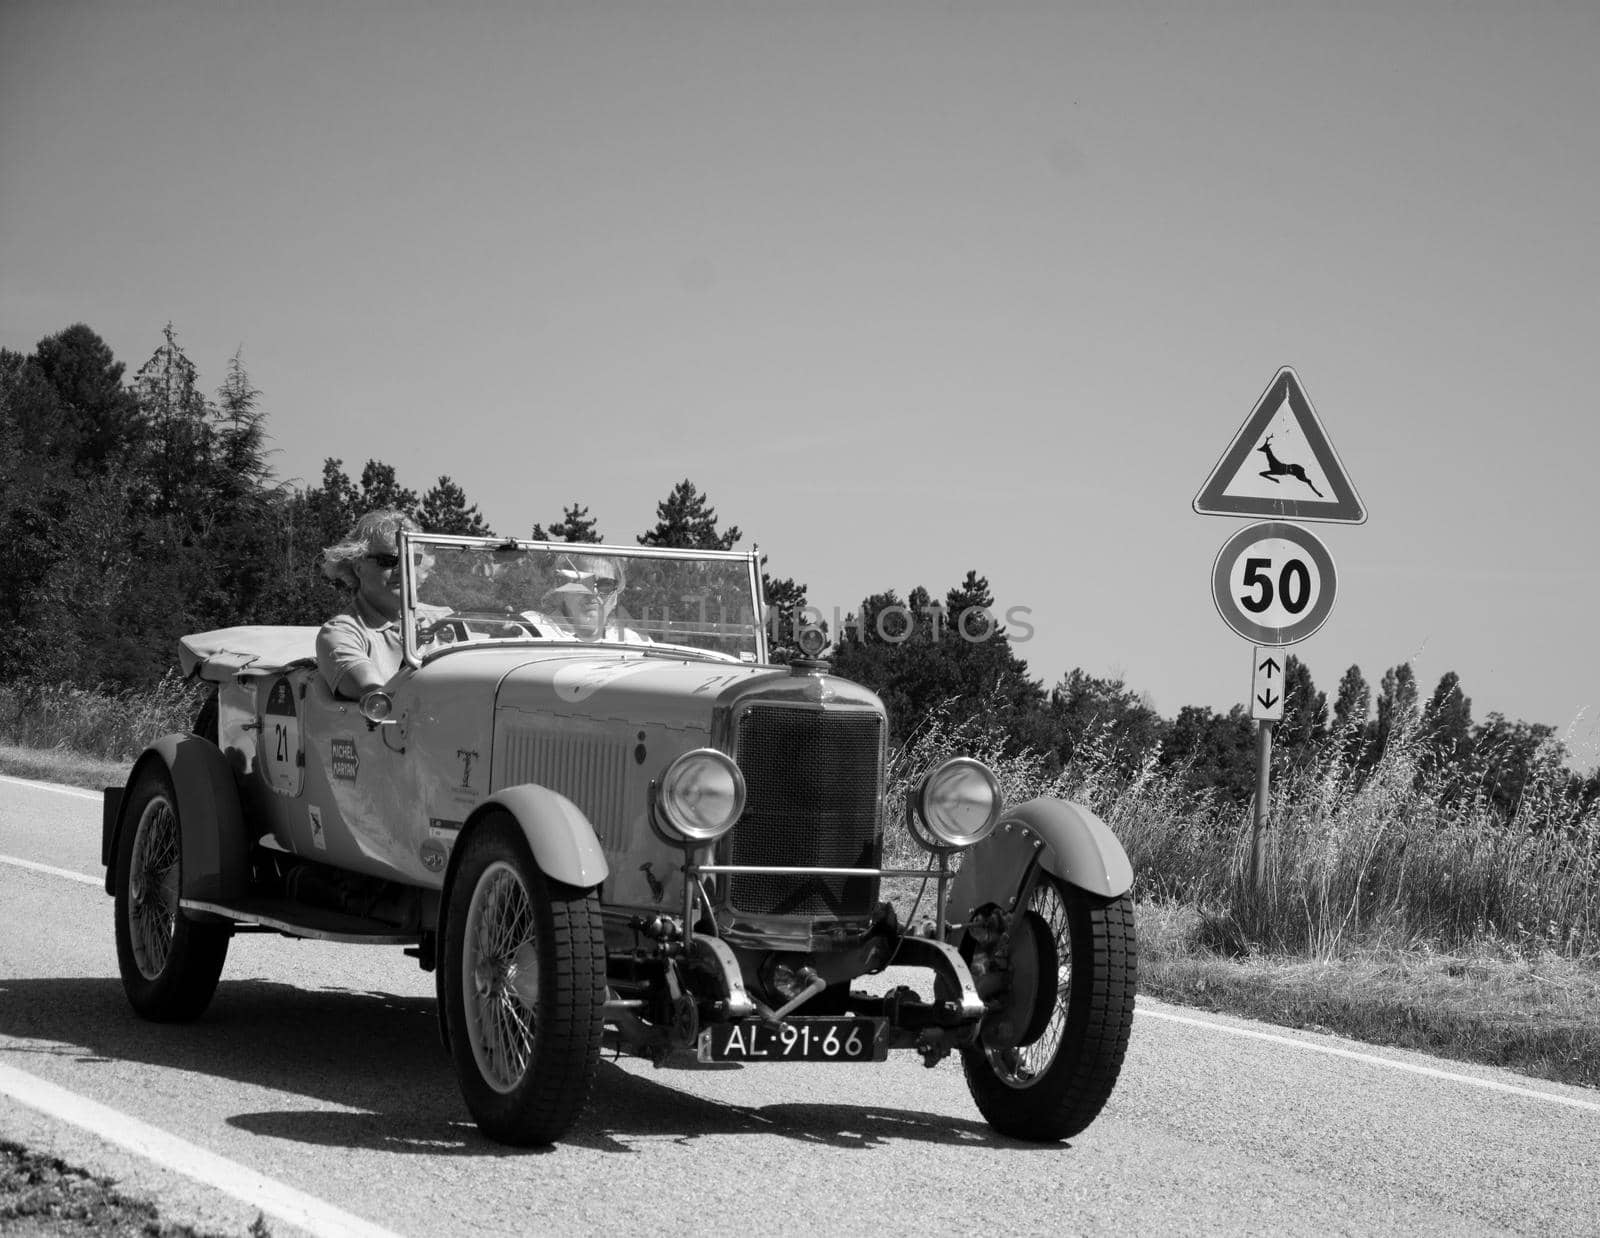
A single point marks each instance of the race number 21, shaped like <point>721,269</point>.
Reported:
<point>1274,583</point>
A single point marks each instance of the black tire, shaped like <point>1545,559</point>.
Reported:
<point>1053,1087</point>
<point>526,1049</point>
<point>169,965</point>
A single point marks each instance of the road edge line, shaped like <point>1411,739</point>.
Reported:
<point>276,1199</point>
<point>1355,1055</point>
<point>53,871</point>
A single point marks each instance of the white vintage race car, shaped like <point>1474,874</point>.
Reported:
<point>641,835</point>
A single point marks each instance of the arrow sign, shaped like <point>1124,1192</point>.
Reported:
<point>1266,701</point>
<point>1281,464</point>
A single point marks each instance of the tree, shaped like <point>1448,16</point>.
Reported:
<point>1090,710</point>
<point>1218,750</point>
<point>921,658</point>
<point>1509,755</point>
<point>1447,723</point>
<point>380,490</point>
<point>1305,712</point>
<point>575,525</point>
<point>445,510</point>
<point>241,433</point>
<point>179,438</point>
<point>1351,710</point>
<point>1397,706</point>
<point>785,601</point>
<point>97,420</point>
<point>686,519</point>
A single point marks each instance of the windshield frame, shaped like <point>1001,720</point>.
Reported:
<point>414,655</point>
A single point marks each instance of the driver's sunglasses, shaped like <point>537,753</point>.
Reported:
<point>389,562</point>
<point>604,586</point>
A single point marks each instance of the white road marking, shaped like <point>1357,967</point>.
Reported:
<point>79,792</point>
<point>272,1197</point>
<point>1335,1051</point>
<point>53,871</point>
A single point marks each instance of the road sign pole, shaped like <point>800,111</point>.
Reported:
<point>1258,832</point>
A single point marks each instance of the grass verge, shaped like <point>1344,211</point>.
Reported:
<point>40,1196</point>
<point>1500,1003</point>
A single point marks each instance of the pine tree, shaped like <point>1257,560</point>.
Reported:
<point>785,601</point>
<point>445,510</point>
<point>575,525</point>
<point>686,519</point>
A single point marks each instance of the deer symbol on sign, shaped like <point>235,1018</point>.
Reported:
<point>1277,468</point>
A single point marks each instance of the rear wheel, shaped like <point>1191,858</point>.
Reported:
<point>523,980</point>
<point>1081,952</point>
<point>170,966</point>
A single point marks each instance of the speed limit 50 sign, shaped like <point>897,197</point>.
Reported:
<point>1274,583</point>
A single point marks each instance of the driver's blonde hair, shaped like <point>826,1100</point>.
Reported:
<point>375,533</point>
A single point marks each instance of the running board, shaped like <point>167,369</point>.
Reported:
<point>298,920</point>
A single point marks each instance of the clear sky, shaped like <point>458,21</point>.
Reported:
<point>907,289</point>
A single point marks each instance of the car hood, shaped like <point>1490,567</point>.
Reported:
<point>644,688</point>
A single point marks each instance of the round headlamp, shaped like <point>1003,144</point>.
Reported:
<point>376,705</point>
<point>700,796</point>
<point>955,805</point>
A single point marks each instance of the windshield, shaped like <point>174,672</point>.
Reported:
<point>468,590</point>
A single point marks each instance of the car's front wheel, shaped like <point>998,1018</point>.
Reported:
<point>524,988</point>
<point>1082,956</point>
<point>170,966</point>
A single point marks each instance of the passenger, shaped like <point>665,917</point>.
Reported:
<point>584,603</point>
<point>361,648</point>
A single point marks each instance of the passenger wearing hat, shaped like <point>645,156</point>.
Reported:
<point>583,603</point>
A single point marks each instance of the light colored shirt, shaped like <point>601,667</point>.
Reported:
<point>356,639</point>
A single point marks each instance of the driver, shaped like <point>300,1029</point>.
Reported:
<point>360,649</point>
<point>583,604</point>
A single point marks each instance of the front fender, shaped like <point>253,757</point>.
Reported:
<point>1070,842</point>
<point>563,843</point>
<point>216,861</point>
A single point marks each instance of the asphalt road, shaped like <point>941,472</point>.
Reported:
<point>315,1089</point>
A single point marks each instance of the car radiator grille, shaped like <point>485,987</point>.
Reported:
<point>812,777</point>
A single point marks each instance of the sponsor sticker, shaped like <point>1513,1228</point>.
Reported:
<point>434,854</point>
<point>345,762</point>
<point>438,827</point>
<point>318,838</point>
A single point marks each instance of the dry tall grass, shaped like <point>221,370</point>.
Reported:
<point>114,727</point>
<point>1355,860</point>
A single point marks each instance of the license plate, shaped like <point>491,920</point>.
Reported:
<point>807,1039</point>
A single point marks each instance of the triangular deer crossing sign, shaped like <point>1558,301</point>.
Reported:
<point>1281,465</point>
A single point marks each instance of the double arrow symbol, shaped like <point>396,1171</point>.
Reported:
<point>1271,667</point>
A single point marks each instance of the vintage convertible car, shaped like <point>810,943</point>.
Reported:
<point>642,836</point>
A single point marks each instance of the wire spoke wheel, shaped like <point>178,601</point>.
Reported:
<point>501,1013</point>
<point>1080,953</point>
<point>1022,1066</point>
<point>170,965</point>
<point>154,910</point>
<point>522,982</point>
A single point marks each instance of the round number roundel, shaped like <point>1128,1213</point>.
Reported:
<point>1274,583</point>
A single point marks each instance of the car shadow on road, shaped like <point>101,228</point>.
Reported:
<point>376,1075</point>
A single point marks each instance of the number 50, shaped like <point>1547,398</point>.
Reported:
<point>1294,586</point>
